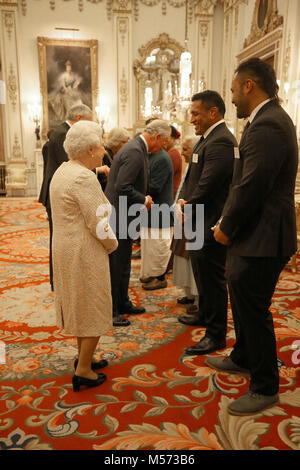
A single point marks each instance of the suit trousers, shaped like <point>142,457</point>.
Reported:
<point>120,267</point>
<point>252,283</point>
<point>50,245</point>
<point>209,272</point>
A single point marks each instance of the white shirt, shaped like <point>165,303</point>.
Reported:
<point>143,138</point>
<point>212,127</point>
<point>255,110</point>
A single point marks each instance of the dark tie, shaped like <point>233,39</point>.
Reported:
<point>245,129</point>
<point>201,140</point>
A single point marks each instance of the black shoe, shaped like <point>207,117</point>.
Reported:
<point>185,300</point>
<point>120,321</point>
<point>136,254</point>
<point>205,346</point>
<point>191,320</point>
<point>95,365</point>
<point>77,381</point>
<point>132,309</point>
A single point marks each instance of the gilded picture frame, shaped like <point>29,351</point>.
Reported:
<point>68,71</point>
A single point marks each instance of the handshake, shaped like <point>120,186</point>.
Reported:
<point>148,202</point>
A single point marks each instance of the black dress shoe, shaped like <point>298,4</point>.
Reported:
<point>205,346</point>
<point>191,320</point>
<point>77,381</point>
<point>185,300</point>
<point>132,310</point>
<point>95,365</point>
<point>120,321</point>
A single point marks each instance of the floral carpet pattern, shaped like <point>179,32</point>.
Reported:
<point>155,397</point>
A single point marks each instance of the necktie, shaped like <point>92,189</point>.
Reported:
<point>245,129</point>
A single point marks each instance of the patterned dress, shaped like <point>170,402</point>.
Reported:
<point>80,259</point>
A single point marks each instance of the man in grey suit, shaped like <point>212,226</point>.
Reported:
<point>129,177</point>
<point>207,182</point>
<point>56,156</point>
<point>258,224</point>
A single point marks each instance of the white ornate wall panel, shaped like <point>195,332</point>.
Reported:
<point>123,34</point>
<point>13,136</point>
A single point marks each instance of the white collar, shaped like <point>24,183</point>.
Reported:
<point>69,124</point>
<point>255,111</point>
<point>143,138</point>
<point>212,127</point>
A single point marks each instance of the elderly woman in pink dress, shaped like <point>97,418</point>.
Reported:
<point>82,241</point>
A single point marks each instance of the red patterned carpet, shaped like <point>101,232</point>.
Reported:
<point>155,397</point>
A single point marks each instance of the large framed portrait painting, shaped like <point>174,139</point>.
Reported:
<point>68,76</point>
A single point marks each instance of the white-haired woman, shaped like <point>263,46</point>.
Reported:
<point>82,240</point>
<point>116,138</point>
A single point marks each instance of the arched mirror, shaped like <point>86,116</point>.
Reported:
<point>157,75</point>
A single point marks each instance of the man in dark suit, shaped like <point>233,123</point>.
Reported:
<point>258,223</point>
<point>56,156</point>
<point>207,182</point>
<point>129,177</point>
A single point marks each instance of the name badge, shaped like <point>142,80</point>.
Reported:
<point>195,158</point>
<point>236,152</point>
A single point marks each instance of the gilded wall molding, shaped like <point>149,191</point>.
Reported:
<point>265,20</point>
<point>287,61</point>
<point>123,29</point>
<point>9,23</point>
<point>205,7</point>
<point>266,41</point>
<point>16,150</point>
<point>12,87</point>
<point>203,30</point>
<point>123,87</point>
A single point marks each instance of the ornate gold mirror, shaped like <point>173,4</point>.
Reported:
<point>156,71</point>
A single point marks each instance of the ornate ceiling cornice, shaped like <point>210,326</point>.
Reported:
<point>8,3</point>
<point>201,7</point>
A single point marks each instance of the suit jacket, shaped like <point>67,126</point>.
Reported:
<point>209,176</point>
<point>160,188</point>
<point>45,158</point>
<point>56,156</point>
<point>259,215</point>
<point>128,177</point>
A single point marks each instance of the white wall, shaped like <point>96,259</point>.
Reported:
<point>92,24</point>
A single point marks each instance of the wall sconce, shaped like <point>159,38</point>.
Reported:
<point>102,112</point>
<point>34,111</point>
